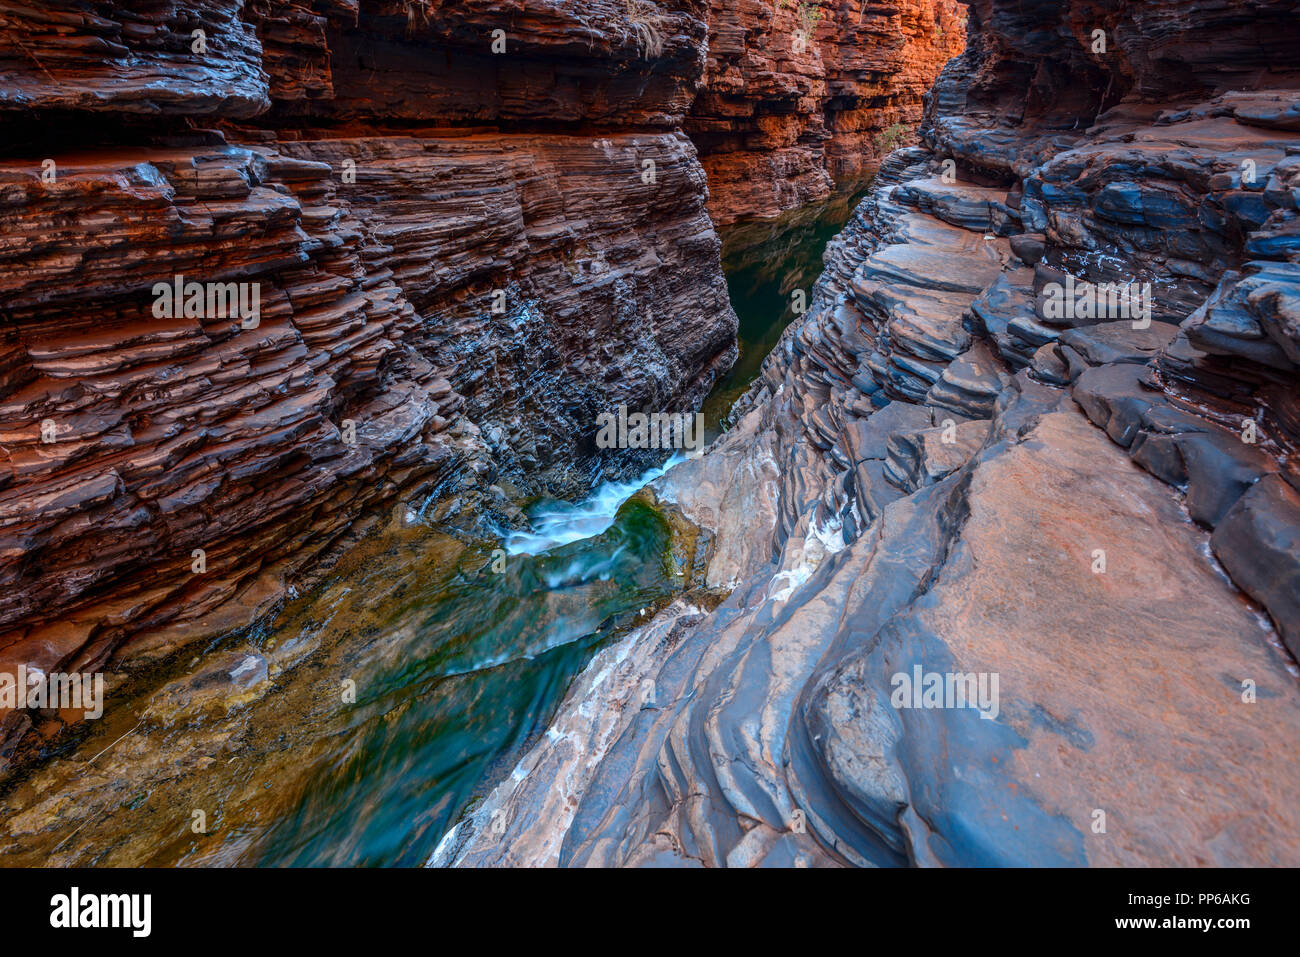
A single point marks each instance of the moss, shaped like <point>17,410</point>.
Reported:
<point>690,547</point>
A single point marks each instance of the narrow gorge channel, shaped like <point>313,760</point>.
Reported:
<point>459,650</point>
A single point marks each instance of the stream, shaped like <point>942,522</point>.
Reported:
<point>404,689</point>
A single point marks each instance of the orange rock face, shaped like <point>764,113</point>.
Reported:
<point>799,95</point>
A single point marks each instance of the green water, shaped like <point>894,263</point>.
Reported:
<point>765,262</point>
<point>488,661</point>
<point>494,654</point>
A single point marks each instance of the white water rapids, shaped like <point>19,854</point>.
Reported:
<point>557,523</point>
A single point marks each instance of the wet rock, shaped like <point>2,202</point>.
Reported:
<point>439,309</point>
<point>731,493</point>
<point>864,774</point>
<point>848,542</point>
<point>1063,552</point>
<point>499,830</point>
<point>219,684</point>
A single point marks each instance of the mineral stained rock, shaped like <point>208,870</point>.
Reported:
<point>1083,522</point>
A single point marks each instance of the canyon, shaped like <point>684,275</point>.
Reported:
<point>798,96</point>
<point>477,227</point>
<point>456,278</point>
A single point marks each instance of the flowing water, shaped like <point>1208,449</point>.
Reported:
<point>402,690</point>
<point>489,658</point>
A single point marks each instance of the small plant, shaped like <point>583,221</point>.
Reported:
<point>809,14</point>
<point>891,138</point>
<point>647,23</point>
<point>417,13</point>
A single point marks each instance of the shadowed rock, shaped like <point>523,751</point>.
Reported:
<point>1259,543</point>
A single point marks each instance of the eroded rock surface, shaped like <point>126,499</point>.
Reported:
<point>799,95</point>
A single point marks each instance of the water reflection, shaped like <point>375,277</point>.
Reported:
<point>764,263</point>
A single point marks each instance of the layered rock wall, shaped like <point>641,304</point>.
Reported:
<point>799,95</point>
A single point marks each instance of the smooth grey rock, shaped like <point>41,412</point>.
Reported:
<point>1258,542</point>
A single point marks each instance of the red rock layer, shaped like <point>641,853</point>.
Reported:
<point>129,441</point>
<point>799,95</point>
<point>139,59</point>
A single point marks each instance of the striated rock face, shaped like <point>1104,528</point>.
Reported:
<point>458,257</point>
<point>1044,64</point>
<point>135,59</point>
<point>797,95</point>
<point>1078,527</point>
<point>130,440</point>
<point>622,62</point>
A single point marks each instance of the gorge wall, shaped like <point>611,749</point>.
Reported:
<point>799,95</point>
<point>1083,520</point>
<point>472,228</point>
